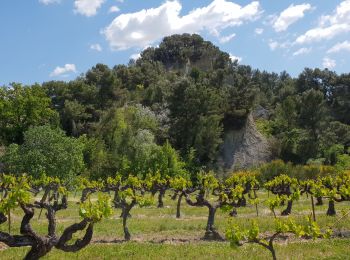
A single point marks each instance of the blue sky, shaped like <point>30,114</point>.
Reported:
<point>45,40</point>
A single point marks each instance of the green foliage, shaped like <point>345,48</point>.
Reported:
<point>264,127</point>
<point>132,192</point>
<point>178,50</point>
<point>343,162</point>
<point>273,169</point>
<point>313,171</point>
<point>18,192</point>
<point>167,161</point>
<point>309,229</point>
<point>126,142</point>
<point>208,181</point>
<point>286,129</point>
<point>199,106</point>
<point>83,183</point>
<point>286,189</point>
<point>46,151</point>
<point>20,108</point>
<point>97,210</point>
<point>180,183</point>
<point>247,179</point>
<point>184,95</point>
<point>313,117</point>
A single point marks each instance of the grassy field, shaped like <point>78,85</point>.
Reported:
<point>157,234</point>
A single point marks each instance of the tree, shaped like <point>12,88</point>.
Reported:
<point>341,99</point>
<point>176,51</point>
<point>240,93</point>
<point>46,151</point>
<point>334,141</point>
<point>286,128</point>
<point>77,104</point>
<point>195,119</point>
<point>107,84</point>
<point>316,79</point>
<point>128,136</point>
<point>127,144</point>
<point>164,164</point>
<point>22,107</point>
<point>313,117</point>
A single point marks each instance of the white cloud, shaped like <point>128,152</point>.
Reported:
<point>226,39</point>
<point>289,16</point>
<point>259,31</point>
<point>329,26</point>
<point>87,7</point>
<point>233,58</point>
<point>273,44</point>
<point>96,47</point>
<point>341,46</point>
<point>340,15</point>
<point>302,51</point>
<point>63,71</point>
<point>328,63</point>
<point>319,34</point>
<point>148,26</point>
<point>135,56</point>
<point>120,1</point>
<point>113,9</point>
<point>47,2</point>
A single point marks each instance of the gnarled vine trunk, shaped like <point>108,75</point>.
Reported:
<point>42,245</point>
<point>160,198</point>
<point>288,210</point>
<point>331,208</point>
<point>178,206</point>
<point>211,233</point>
<point>233,212</point>
<point>319,201</point>
<point>125,215</point>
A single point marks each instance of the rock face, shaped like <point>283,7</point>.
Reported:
<point>244,148</point>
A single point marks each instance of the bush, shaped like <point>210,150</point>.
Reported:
<point>307,172</point>
<point>343,162</point>
<point>275,168</point>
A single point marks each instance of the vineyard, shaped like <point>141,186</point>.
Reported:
<point>175,129</point>
<point>249,214</point>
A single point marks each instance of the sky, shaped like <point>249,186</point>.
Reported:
<point>43,40</point>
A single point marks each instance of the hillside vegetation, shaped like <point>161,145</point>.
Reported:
<point>177,149</point>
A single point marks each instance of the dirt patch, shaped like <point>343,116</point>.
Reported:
<point>173,239</point>
<point>157,238</point>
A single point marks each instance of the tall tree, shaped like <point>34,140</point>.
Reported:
<point>196,116</point>
<point>22,107</point>
<point>313,117</point>
<point>46,151</point>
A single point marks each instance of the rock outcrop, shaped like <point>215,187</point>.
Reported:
<point>244,147</point>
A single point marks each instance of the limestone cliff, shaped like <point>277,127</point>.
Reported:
<point>244,147</point>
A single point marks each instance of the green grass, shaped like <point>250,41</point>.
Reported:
<point>157,234</point>
<point>329,249</point>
